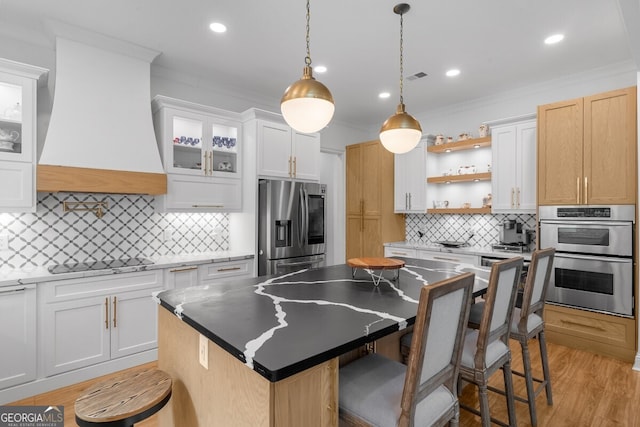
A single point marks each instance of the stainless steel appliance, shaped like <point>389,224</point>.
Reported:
<point>291,226</point>
<point>593,266</point>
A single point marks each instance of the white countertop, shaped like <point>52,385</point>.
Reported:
<point>470,250</point>
<point>30,275</point>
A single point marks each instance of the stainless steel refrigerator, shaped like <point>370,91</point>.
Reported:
<point>291,226</point>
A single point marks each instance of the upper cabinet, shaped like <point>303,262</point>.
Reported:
<point>18,93</point>
<point>459,179</point>
<point>286,153</point>
<point>410,180</point>
<point>587,150</point>
<point>201,150</point>
<point>513,180</point>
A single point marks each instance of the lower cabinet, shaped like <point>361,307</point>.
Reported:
<point>599,333</point>
<point>210,274</point>
<point>181,277</point>
<point>390,252</point>
<point>448,257</point>
<point>92,320</point>
<point>18,335</point>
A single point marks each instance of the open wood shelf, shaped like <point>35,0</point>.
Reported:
<point>467,144</point>
<point>450,179</point>
<point>486,210</point>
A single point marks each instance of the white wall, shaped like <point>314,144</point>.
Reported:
<point>467,117</point>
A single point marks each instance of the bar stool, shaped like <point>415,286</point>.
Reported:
<point>124,400</point>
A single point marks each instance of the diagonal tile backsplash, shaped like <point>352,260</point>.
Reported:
<point>439,227</point>
<point>130,227</point>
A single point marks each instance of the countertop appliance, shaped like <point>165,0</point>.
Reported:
<point>97,265</point>
<point>514,237</point>
<point>291,226</point>
<point>593,265</point>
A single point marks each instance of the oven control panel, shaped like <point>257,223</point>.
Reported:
<point>595,212</point>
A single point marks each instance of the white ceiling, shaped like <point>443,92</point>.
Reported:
<point>498,44</point>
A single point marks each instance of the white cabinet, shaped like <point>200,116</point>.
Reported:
<point>410,180</point>
<point>181,277</point>
<point>17,335</point>
<point>91,320</point>
<point>212,274</point>
<point>392,251</point>
<point>514,167</point>
<point>209,274</point>
<point>287,153</point>
<point>18,87</point>
<point>201,150</point>
<point>448,257</point>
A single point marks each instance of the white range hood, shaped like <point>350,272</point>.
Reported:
<point>100,137</point>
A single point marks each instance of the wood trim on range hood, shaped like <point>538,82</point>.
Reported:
<point>100,138</point>
<point>52,179</point>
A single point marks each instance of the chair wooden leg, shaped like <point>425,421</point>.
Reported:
<point>508,385</point>
<point>545,366</point>
<point>528,377</point>
<point>485,415</point>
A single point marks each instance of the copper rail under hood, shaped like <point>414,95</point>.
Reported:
<point>100,137</point>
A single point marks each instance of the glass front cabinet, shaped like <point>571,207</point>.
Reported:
<point>18,94</point>
<point>200,148</point>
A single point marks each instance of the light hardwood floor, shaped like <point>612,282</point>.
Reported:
<point>588,390</point>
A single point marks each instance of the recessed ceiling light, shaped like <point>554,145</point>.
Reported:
<point>554,39</point>
<point>320,69</point>
<point>453,72</point>
<point>384,95</point>
<point>217,27</point>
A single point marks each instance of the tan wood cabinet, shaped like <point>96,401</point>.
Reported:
<point>587,150</point>
<point>370,196</point>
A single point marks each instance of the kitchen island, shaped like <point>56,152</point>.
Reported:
<point>265,352</point>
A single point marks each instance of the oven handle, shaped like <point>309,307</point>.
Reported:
<point>580,223</point>
<point>594,258</point>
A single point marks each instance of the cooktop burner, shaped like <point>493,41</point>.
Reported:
<point>97,265</point>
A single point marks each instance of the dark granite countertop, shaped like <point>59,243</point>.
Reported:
<point>283,324</point>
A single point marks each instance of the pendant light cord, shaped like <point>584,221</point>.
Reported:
<point>401,54</point>
<point>307,59</point>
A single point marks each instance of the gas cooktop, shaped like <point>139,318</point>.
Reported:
<point>97,265</point>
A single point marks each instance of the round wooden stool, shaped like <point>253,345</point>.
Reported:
<point>373,264</point>
<point>124,400</point>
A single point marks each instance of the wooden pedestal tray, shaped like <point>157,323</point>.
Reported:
<point>374,264</point>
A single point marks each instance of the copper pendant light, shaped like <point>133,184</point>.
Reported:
<point>307,105</point>
<point>400,133</point>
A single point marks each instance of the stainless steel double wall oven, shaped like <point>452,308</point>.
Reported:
<point>593,267</point>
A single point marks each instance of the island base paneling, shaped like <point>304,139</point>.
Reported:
<point>229,393</point>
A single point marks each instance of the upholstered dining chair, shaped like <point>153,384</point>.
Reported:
<point>374,390</point>
<point>528,323</point>
<point>486,349</point>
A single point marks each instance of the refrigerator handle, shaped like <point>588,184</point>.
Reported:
<point>306,217</point>
<point>301,217</point>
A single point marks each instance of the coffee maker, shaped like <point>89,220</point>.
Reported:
<point>512,233</point>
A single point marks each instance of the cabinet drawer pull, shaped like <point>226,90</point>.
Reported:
<point>115,311</point>
<point>178,270</point>
<point>295,167</point>
<point>399,253</point>
<point>518,197</point>
<point>207,206</point>
<point>229,269</point>
<point>106,313</point>
<point>13,290</point>
<point>569,322</point>
<point>290,167</point>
